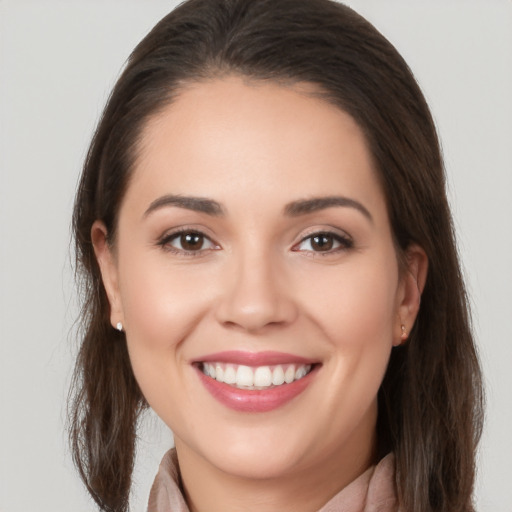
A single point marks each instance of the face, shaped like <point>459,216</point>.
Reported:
<point>255,275</point>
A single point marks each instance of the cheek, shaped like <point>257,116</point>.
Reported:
<point>160,304</point>
<point>355,308</point>
<point>161,307</point>
<point>356,305</point>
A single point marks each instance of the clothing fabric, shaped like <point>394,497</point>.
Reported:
<point>373,491</point>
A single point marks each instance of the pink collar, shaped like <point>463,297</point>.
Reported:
<point>373,491</point>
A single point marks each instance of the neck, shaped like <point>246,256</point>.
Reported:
<point>301,490</point>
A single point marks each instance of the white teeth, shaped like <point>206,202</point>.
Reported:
<point>289,374</point>
<point>230,375</point>
<point>219,373</point>
<point>261,377</point>
<point>301,372</point>
<point>278,376</point>
<point>244,376</point>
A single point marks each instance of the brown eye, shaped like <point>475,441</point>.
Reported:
<point>322,242</point>
<point>188,242</point>
<point>191,241</point>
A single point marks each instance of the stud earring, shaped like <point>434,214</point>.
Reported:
<point>119,326</point>
<point>404,334</point>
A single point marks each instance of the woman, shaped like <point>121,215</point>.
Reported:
<point>260,215</point>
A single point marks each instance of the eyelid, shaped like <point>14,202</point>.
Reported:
<point>344,239</point>
<point>170,235</point>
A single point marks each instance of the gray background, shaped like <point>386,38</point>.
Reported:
<point>58,61</point>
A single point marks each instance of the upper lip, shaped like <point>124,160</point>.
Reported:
<point>266,358</point>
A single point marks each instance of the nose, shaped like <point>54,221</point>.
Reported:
<point>256,295</point>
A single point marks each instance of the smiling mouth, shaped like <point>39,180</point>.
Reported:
<point>255,378</point>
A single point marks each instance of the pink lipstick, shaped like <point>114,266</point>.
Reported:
<point>255,382</point>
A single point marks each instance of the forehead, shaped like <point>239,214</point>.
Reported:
<point>232,138</point>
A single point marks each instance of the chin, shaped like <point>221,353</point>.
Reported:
<point>250,453</point>
<point>257,464</point>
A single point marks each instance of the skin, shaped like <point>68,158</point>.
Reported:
<point>258,284</point>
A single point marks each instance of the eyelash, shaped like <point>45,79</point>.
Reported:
<point>344,243</point>
<point>165,242</point>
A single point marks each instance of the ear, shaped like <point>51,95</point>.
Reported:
<point>411,287</point>
<point>108,268</point>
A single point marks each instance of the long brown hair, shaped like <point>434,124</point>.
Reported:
<point>430,402</point>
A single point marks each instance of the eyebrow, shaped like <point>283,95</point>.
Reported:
<point>293,209</point>
<point>197,204</point>
<point>305,206</point>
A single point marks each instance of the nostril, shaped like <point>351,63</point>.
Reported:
<point>254,295</point>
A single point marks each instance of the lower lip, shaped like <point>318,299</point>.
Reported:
<point>255,400</point>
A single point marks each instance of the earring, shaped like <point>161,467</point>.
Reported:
<point>404,334</point>
<point>119,326</point>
